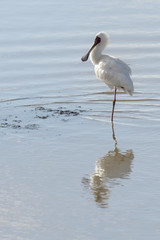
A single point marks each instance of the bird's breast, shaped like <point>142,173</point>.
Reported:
<point>102,72</point>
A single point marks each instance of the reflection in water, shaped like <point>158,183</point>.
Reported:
<point>115,165</point>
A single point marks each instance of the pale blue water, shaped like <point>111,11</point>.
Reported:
<point>61,175</point>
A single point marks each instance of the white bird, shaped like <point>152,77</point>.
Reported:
<point>111,70</point>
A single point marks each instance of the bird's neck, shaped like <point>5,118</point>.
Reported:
<point>96,55</point>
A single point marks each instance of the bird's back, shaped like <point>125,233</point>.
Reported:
<point>115,73</point>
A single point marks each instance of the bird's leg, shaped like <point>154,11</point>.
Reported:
<point>114,101</point>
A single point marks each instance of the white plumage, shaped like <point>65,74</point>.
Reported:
<point>111,70</point>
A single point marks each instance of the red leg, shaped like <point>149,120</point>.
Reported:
<point>114,101</point>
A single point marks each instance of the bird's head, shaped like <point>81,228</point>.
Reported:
<point>101,40</point>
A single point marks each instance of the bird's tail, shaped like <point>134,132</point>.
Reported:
<point>130,92</point>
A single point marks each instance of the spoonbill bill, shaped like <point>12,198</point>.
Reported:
<point>111,70</point>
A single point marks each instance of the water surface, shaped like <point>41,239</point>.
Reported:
<point>66,172</point>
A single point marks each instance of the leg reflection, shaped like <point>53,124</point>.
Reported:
<point>109,171</point>
<point>113,135</point>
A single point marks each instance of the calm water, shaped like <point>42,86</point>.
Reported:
<point>66,172</point>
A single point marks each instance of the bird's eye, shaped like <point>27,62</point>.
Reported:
<point>97,40</point>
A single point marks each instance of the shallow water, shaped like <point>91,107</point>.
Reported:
<point>66,172</point>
